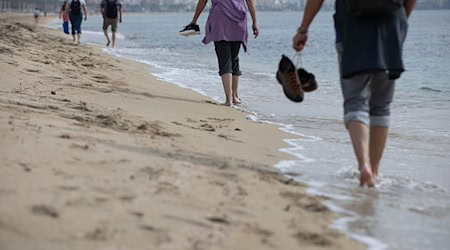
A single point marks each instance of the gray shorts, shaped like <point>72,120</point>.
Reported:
<point>367,97</point>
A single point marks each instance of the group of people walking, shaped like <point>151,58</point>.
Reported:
<point>75,11</point>
<point>369,43</point>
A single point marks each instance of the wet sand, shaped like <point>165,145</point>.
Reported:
<point>96,153</point>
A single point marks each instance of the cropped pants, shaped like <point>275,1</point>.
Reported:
<point>75,22</point>
<point>367,96</point>
<point>228,57</point>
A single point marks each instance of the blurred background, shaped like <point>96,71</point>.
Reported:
<point>181,5</point>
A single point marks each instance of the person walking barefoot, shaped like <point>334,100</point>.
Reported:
<point>75,11</point>
<point>36,14</point>
<point>367,75</point>
<point>227,28</point>
<point>112,14</point>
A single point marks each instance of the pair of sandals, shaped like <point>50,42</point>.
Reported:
<point>295,81</point>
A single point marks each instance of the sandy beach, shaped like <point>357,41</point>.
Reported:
<point>95,153</point>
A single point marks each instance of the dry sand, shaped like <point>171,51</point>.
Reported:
<point>95,153</point>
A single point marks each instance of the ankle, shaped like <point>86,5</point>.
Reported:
<point>365,166</point>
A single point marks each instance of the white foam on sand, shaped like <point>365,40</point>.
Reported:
<point>119,36</point>
<point>342,223</point>
<point>289,167</point>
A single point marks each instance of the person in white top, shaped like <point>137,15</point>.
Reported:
<point>36,15</point>
<point>75,10</point>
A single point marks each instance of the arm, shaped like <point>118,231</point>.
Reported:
<point>67,9</point>
<point>85,12</point>
<point>409,6</point>
<point>102,8</point>
<point>200,6</point>
<point>311,10</point>
<point>252,9</point>
<point>63,11</point>
<point>120,13</point>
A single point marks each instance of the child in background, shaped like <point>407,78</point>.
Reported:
<point>65,17</point>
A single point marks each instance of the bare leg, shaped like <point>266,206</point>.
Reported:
<point>73,37</point>
<point>113,39</point>
<point>107,37</point>
<point>359,134</point>
<point>236,99</point>
<point>79,37</point>
<point>227,82</point>
<point>378,136</point>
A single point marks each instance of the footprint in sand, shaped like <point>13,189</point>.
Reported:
<point>166,187</point>
<point>312,238</point>
<point>32,70</point>
<point>127,198</point>
<point>9,62</point>
<point>152,173</point>
<point>25,167</point>
<point>137,214</point>
<point>68,188</point>
<point>78,146</point>
<point>219,220</point>
<point>98,234</point>
<point>44,210</point>
<point>81,106</point>
<point>101,79</point>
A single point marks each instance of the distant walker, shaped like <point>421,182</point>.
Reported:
<point>75,10</point>
<point>112,13</point>
<point>36,15</point>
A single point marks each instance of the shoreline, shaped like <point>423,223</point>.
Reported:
<point>105,156</point>
<point>341,220</point>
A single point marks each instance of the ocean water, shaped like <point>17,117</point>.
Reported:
<point>410,208</point>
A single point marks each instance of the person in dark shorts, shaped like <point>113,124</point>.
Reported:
<point>112,14</point>
<point>75,10</point>
<point>227,28</point>
<point>368,69</point>
<point>36,14</point>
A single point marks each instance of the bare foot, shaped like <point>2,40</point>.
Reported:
<point>227,103</point>
<point>237,100</point>
<point>365,176</point>
<point>108,43</point>
<point>374,171</point>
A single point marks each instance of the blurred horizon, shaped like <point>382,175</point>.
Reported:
<point>183,5</point>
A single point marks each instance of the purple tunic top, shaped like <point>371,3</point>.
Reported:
<point>227,21</point>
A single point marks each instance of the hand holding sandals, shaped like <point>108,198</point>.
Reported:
<point>300,39</point>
